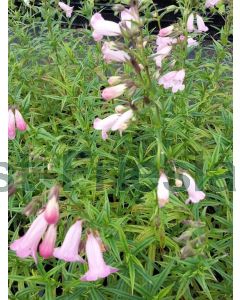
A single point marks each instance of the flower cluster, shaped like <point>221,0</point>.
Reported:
<point>42,235</point>
<point>133,54</point>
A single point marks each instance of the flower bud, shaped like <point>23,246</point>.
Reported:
<point>51,213</point>
<point>178,182</point>
<point>120,109</point>
<point>114,80</point>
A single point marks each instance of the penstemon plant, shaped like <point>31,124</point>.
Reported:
<point>130,157</point>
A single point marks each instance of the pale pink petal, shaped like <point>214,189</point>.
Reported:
<point>190,26</point>
<point>163,190</point>
<point>191,42</point>
<point>11,125</point>
<point>97,37</point>
<point>47,245</point>
<point>129,16</point>
<point>194,195</point>
<point>174,80</point>
<point>166,31</point>
<point>201,25</point>
<point>69,251</point>
<point>211,3</point>
<point>102,27</point>
<point>110,53</point>
<point>122,120</point>
<point>66,8</point>
<point>51,213</point>
<point>96,264</point>
<point>28,244</point>
<point>105,124</point>
<point>161,54</point>
<point>20,123</point>
<point>112,92</point>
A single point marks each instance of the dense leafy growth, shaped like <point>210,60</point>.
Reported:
<point>178,252</point>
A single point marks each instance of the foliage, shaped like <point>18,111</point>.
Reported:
<point>55,77</point>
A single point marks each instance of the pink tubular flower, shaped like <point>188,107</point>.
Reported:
<point>201,25</point>
<point>102,27</point>
<point>173,80</point>
<point>190,26</point>
<point>166,31</point>
<point>129,16</point>
<point>163,190</point>
<point>47,245</point>
<point>97,267</point>
<point>211,3</point>
<point>110,53</point>
<point>191,42</point>
<point>70,247</point>
<point>122,121</point>
<point>194,195</point>
<point>161,54</point>
<point>162,42</point>
<point>105,124</point>
<point>51,212</point>
<point>20,123</point>
<point>28,244</point>
<point>11,125</point>
<point>112,92</point>
<point>66,8</point>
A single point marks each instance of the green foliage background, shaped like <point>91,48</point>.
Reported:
<point>55,78</point>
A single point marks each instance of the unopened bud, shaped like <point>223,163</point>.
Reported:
<point>118,8</point>
<point>141,66</point>
<point>185,236</point>
<point>120,109</point>
<point>11,190</point>
<point>178,182</point>
<point>51,213</point>
<point>187,251</point>
<point>113,80</point>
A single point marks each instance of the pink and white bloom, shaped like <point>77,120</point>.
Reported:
<point>20,123</point>
<point>201,27</point>
<point>174,80</point>
<point>11,125</point>
<point>51,212</point>
<point>97,267</point>
<point>163,190</point>
<point>190,25</point>
<point>122,122</point>
<point>162,42</point>
<point>161,54</point>
<point>191,42</point>
<point>115,91</point>
<point>194,195</point>
<point>110,53</point>
<point>211,3</point>
<point>166,31</point>
<point>103,28</point>
<point>69,251</point>
<point>129,16</point>
<point>46,247</point>
<point>106,124</point>
<point>27,245</point>
<point>66,8</point>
